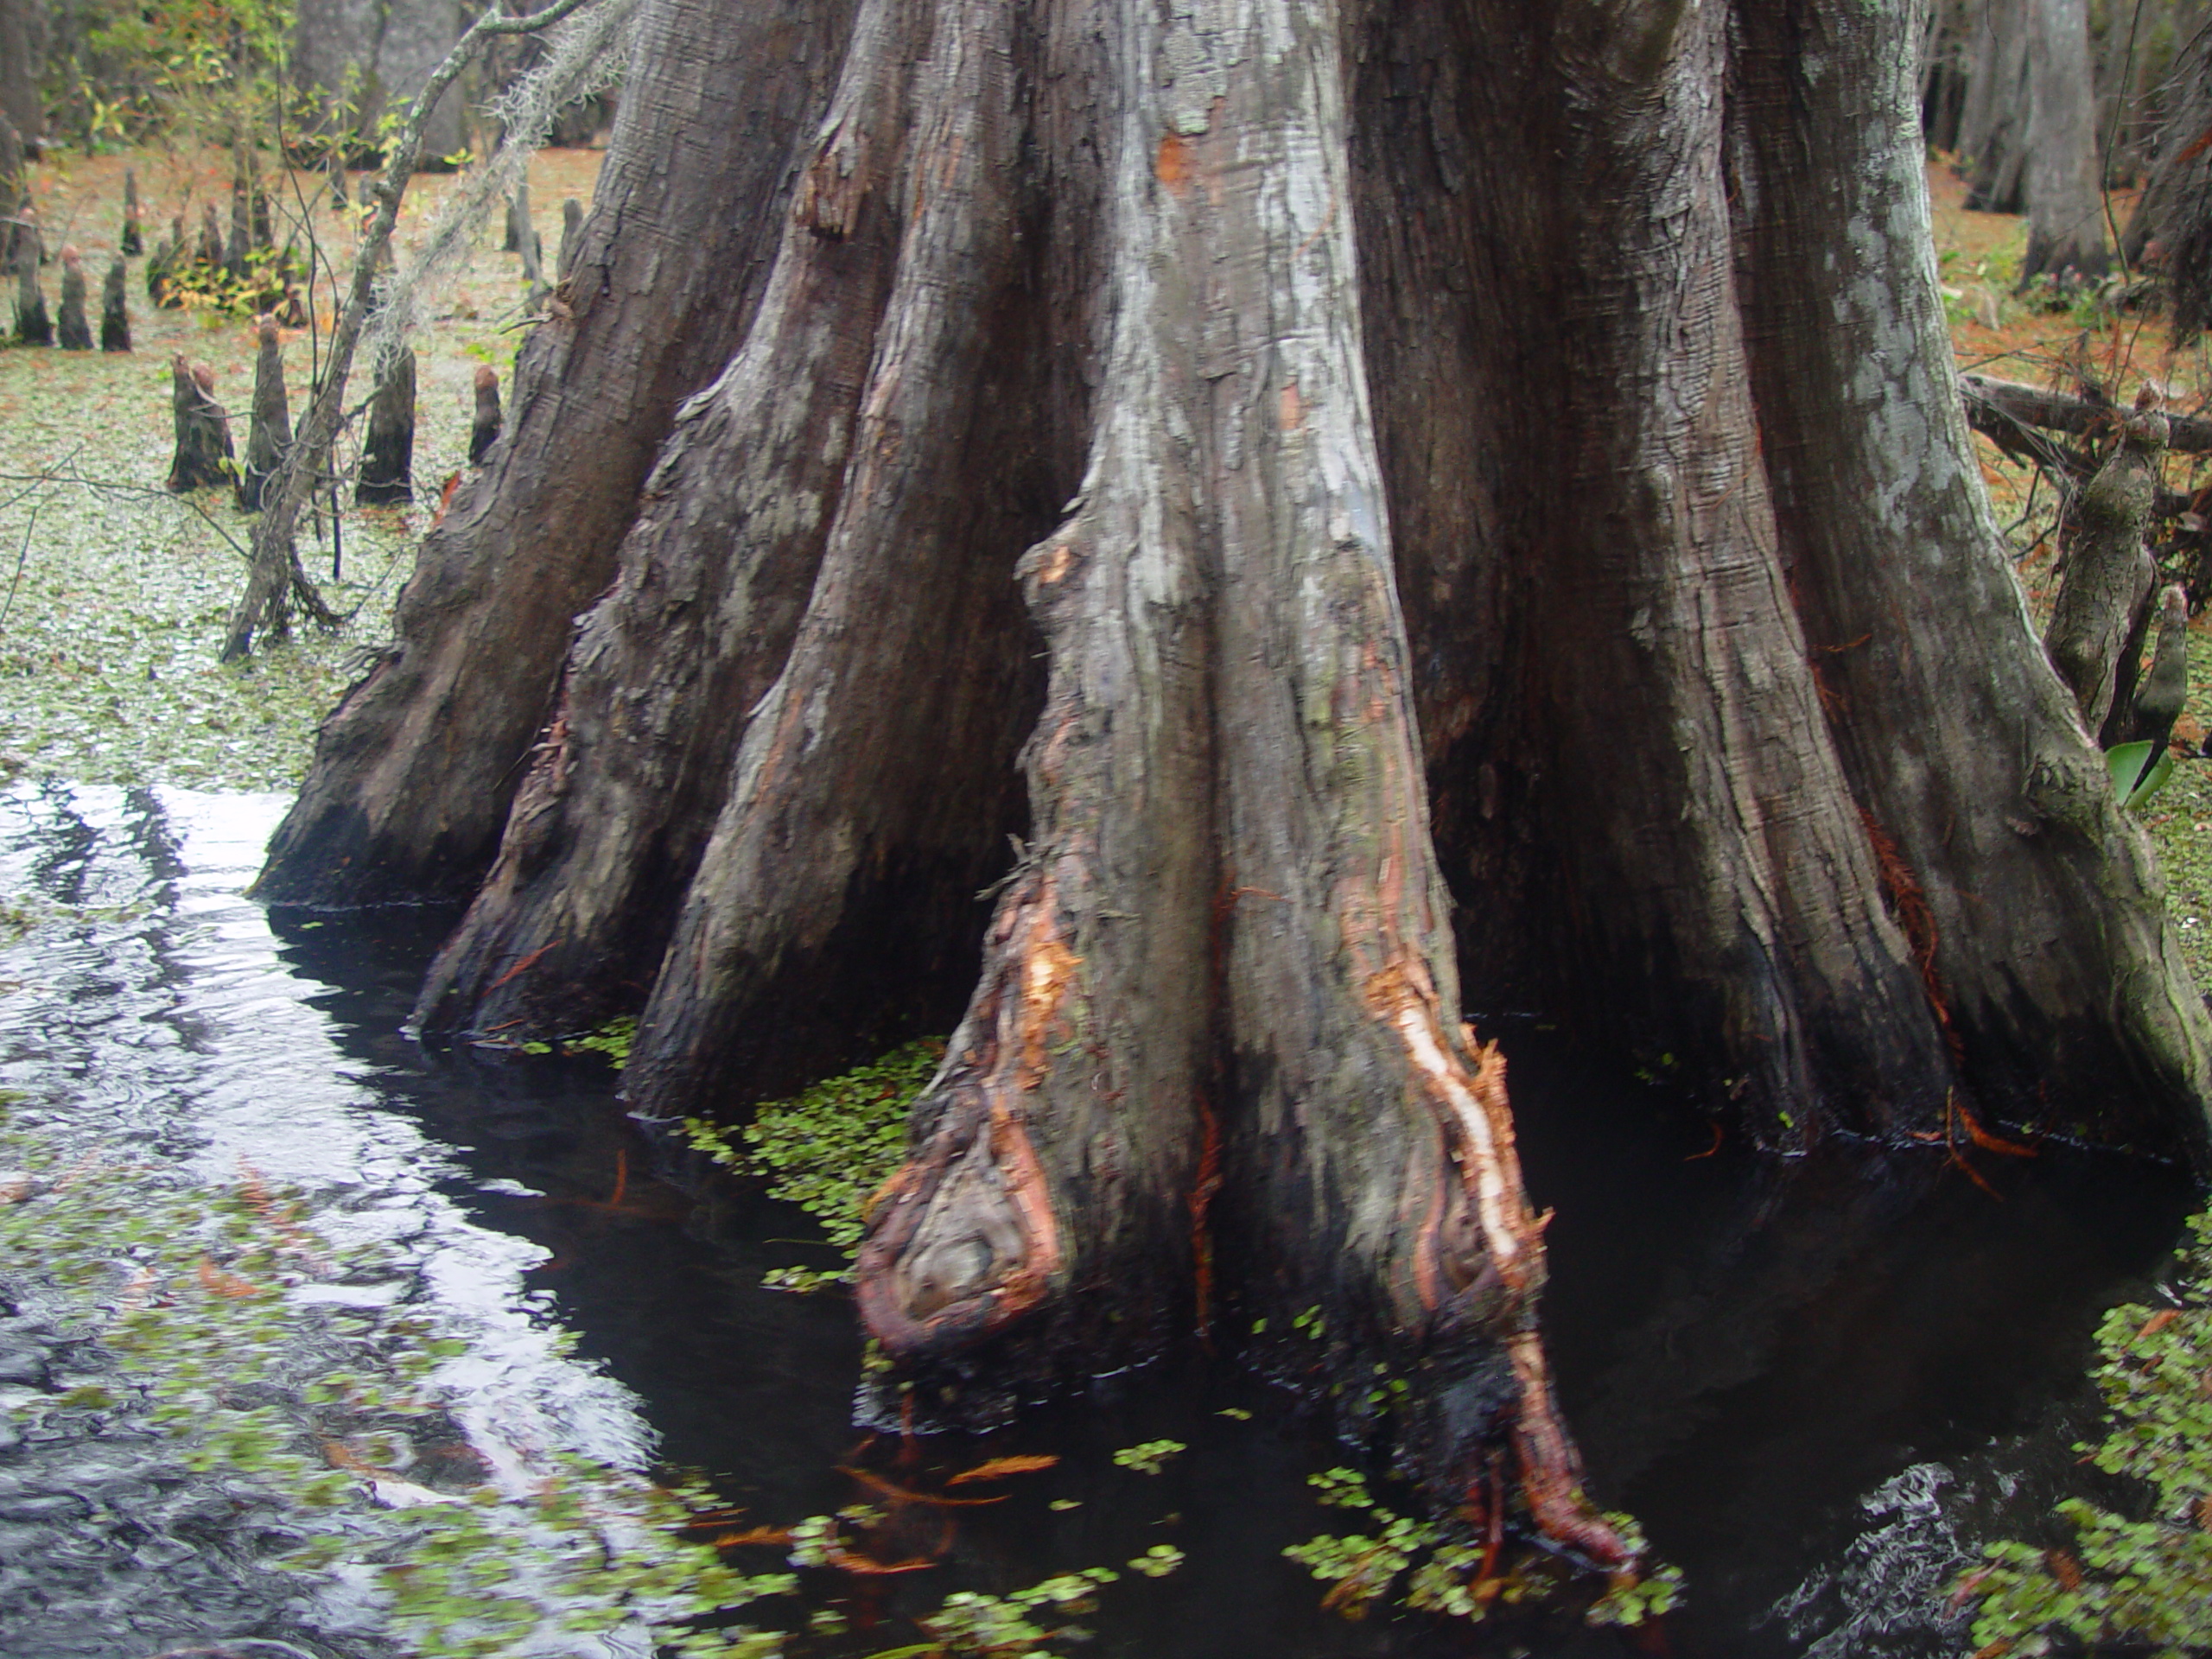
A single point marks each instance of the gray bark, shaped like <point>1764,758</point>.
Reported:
<point>22,29</point>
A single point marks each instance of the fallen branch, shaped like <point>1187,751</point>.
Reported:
<point>2002,410</point>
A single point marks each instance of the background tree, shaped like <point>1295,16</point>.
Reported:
<point>22,45</point>
<point>1488,484</point>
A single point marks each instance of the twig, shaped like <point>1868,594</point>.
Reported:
<point>23,557</point>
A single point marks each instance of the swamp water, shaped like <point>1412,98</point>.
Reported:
<point>1819,1388</point>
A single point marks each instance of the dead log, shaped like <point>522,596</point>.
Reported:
<point>484,431</point>
<point>2001,408</point>
<point>388,453</point>
<point>115,309</point>
<point>130,242</point>
<point>73,330</point>
<point>2109,574</point>
<point>203,429</point>
<point>271,433</point>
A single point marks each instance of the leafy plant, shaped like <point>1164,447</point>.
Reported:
<point>1150,1457</point>
<point>2135,777</point>
<point>2129,1582</point>
<point>1451,1575</point>
<point>829,1148</point>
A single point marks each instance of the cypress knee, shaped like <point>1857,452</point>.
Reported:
<point>241,242</point>
<point>2109,574</point>
<point>211,238</point>
<point>71,325</point>
<point>388,456</point>
<point>518,220</point>
<point>130,242</point>
<point>114,309</point>
<point>161,269</point>
<point>2159,704</point>
<point>271,433</point>
<point>572,224</point>
<point>483,432</point>
<point>33,326</point>
<point>203,429</point>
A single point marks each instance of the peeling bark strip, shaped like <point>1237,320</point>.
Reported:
<point>1421,440</point>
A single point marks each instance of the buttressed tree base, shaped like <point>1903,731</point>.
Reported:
<point>1398,507</point>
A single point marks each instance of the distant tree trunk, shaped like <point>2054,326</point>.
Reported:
<point>362,57</point>
<point>1993,123</point>
<point>20,33</point>
<point>130,239</point>
<point>2170,233</point>
<point>2065,202</point>
<point>1376,495</point>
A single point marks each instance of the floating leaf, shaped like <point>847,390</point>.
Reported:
<point>1000,1468</point>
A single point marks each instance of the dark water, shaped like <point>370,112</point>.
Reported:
<point>1819,1387</point>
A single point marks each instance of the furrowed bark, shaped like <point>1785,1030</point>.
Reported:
<point>1370,1155</point>
<point>1054,1203</point>
<point>2035,904</point>
<point>666,672</point>
<point>1251,736</point>
<point>872,791</point>
<point>413,773</point>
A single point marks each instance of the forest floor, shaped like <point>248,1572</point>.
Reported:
<point>113,593</point>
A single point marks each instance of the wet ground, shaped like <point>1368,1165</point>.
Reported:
<point>1820,1388</point>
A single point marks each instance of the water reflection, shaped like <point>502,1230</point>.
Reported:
<point>1810,1381</point>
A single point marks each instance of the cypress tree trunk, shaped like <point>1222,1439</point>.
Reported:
<point>1375,495</point>
<point>2066,228</point>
